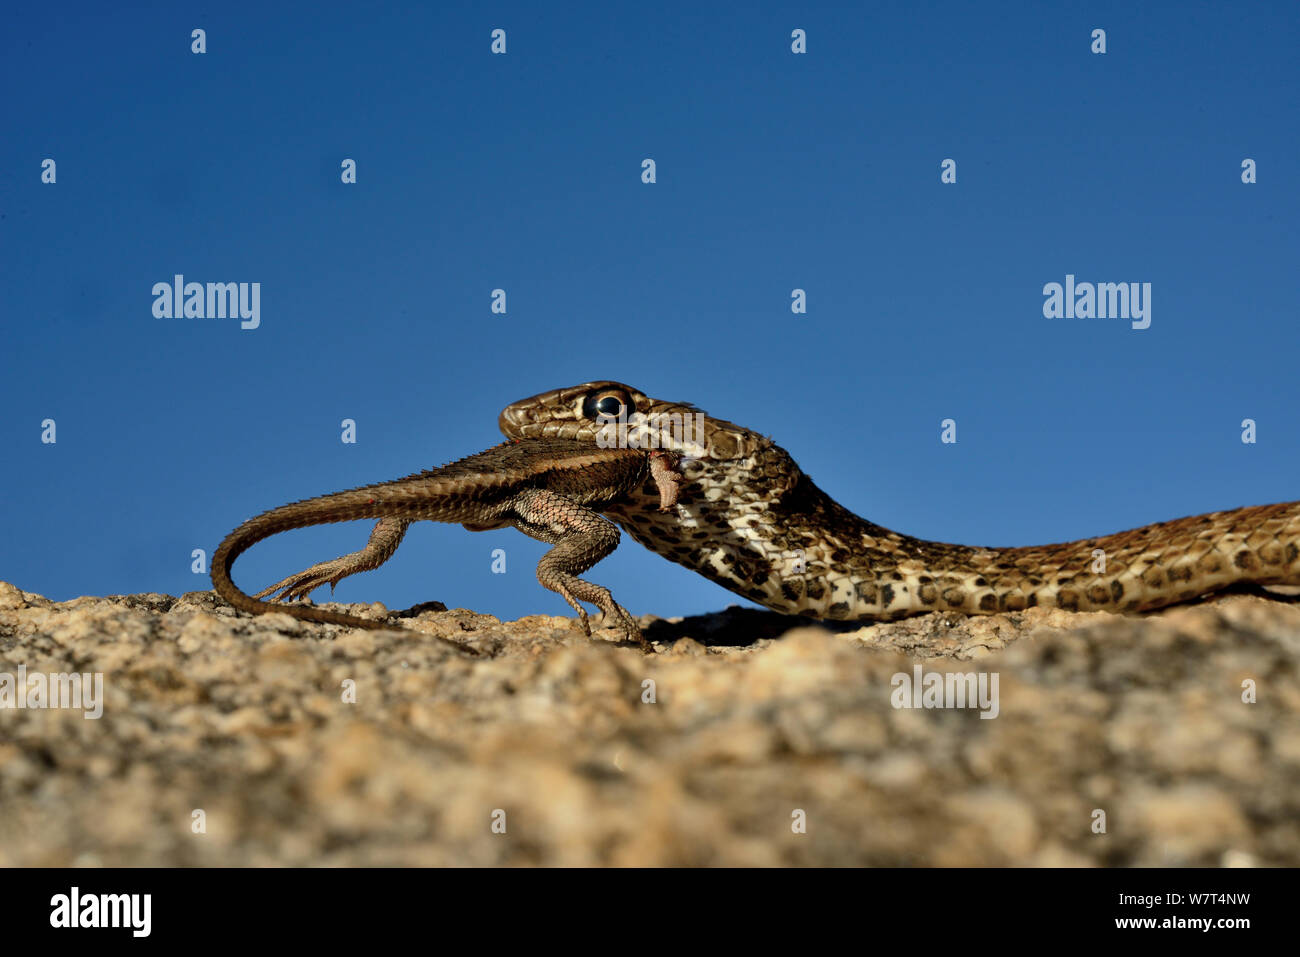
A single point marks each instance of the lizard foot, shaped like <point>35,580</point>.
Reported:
<point>299,585</point>
<point>612,615</point>
<point>617,617</point>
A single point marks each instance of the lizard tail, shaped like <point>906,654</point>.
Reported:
<point>358,503</point>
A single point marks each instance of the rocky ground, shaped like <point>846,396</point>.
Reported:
<point>748,739</point>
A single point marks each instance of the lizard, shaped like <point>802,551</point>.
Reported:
<point>551,489</point>
<point>749,519</point>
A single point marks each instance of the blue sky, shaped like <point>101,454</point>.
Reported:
<point>522,171</point>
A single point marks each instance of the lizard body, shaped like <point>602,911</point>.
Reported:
<point>551,489</point>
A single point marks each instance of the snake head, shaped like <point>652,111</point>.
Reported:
<point>611,413</point>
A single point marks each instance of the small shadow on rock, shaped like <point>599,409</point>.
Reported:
<point>1285,594</point>
<point>736,626</point>
<point>415,610</point>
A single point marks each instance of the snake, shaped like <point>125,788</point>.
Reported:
<point>748,518</point>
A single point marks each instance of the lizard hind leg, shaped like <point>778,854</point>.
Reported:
<point>581,538</point>
<point>384,539</point>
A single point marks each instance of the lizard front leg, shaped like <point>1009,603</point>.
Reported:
<point>384,539</point>
<point>581,539</point>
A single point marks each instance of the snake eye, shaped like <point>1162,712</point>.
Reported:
<point>606,404</point>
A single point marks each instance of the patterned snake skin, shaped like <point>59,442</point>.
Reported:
<point>750,520</point>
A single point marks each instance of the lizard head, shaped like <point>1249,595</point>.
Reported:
<point>610,413</point>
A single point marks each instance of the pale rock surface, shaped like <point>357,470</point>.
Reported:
<point>757,721</point>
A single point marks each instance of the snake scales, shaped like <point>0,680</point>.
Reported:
<point>750,520</point>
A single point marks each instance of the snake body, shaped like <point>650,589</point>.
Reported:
<point>749,519</point>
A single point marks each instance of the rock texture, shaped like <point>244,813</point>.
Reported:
<point>710,752</point>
